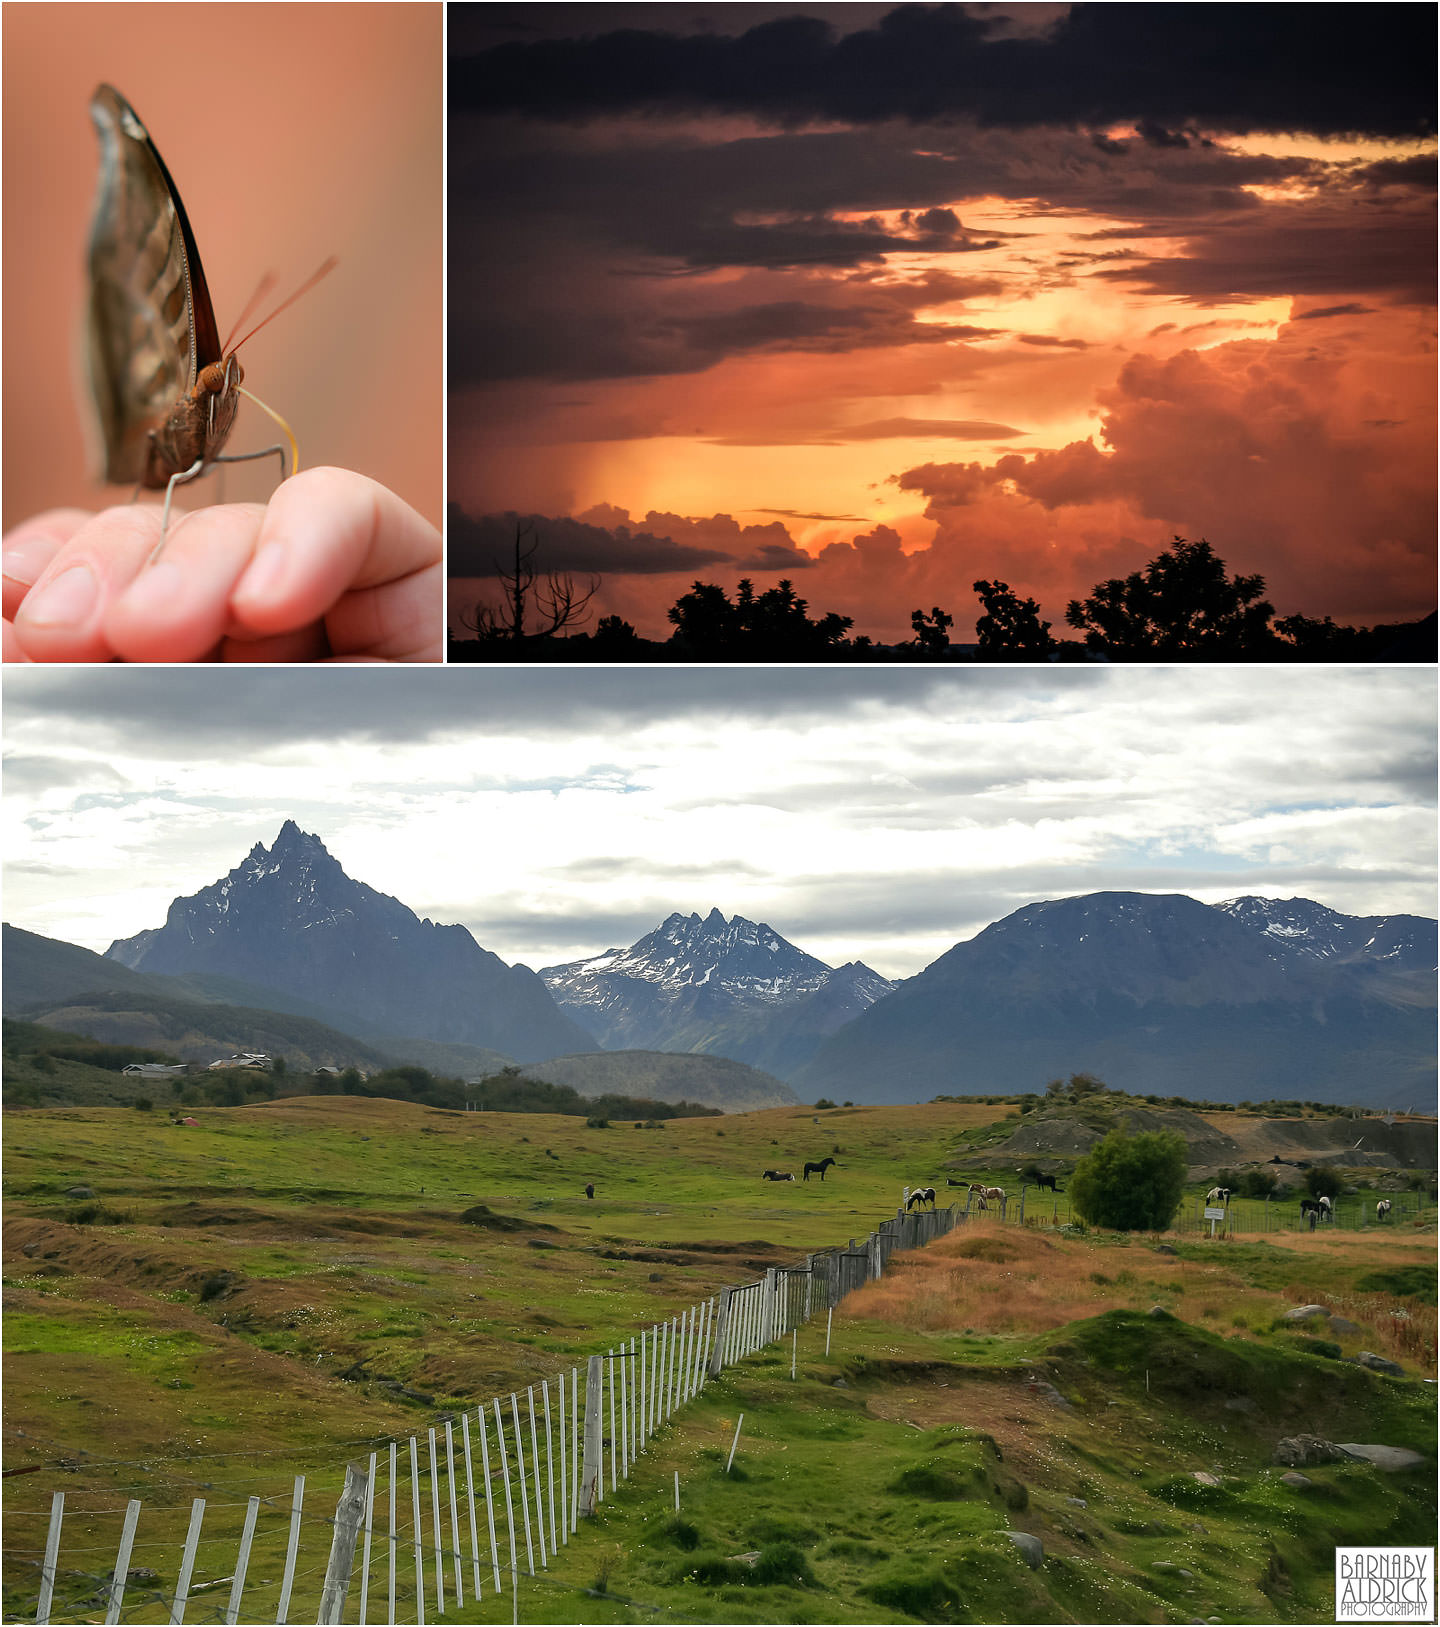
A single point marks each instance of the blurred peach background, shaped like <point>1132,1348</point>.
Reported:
<point>293,132</point>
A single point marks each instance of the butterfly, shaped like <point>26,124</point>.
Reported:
<point>166,389</point>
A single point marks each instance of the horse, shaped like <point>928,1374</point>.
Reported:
<point>590,1190</point>
<point>1218,1194</point>
<point>1382,1209</point>
<point>922,1194</point>
<point>1043,1181</point>
<point>777,1175</point>
<point>951,1181</point>
<point>1327,1208</point>
<point>819,1169</point>
<point>1308,1206</point>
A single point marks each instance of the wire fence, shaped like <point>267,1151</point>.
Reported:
<point>477,1506</point>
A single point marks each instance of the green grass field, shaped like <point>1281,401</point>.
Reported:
<point>188,1325</point>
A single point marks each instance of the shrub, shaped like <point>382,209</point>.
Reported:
<point>143,1104</point>
<point>1130,1183</point>
<point>1322,1183</point>
<point>824,1102</point>
<point>927,1595</point>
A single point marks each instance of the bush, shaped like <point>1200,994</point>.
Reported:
<point>824,1102</point>
<point>1130,1183</point>
<point>1322,1183</point>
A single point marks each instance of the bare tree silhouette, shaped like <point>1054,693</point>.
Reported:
<point>554,603</point>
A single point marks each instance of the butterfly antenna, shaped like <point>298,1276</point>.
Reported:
<point>262,289</point>
<point>304,288</point>
<point>289,433</point>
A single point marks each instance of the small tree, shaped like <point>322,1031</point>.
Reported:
<point>1011,627</point>
<point>1322,1183</point>
<point>932,632</point>
<point>532,607</point>
<point>1130,1183</point>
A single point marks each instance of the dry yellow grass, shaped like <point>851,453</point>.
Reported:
<point>998,1279</point>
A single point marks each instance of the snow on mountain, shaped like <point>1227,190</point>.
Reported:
<point>714,985</point>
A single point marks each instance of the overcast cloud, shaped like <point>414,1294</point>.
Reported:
<point>874,816</point>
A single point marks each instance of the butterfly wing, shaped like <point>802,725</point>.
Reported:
<point>152,326</point>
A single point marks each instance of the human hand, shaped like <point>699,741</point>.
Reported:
<point>333,568</point>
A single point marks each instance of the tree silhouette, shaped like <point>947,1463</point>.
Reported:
<point>553,603</point>
<point>770,626</point>
<point>1182,603</point>
<point>932,632</point>
<point>1011,628</point>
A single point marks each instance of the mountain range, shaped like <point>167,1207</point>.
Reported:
<point>1157,993</point>
<point>731,988</point>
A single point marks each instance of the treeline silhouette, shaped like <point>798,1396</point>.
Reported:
<point>1183,605</point>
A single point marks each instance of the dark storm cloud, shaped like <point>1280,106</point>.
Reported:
<point>1298,253</point>
<point>954,429</point>
<point>230,711</point>
<point>1417,171</point>
<point>1331,70</point>
<point>486,546</point>
<point>1050,340</point>
<point>1331,310</point>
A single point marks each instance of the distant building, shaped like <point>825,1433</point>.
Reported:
<point>256,1060</point>
<point>153,1070</point>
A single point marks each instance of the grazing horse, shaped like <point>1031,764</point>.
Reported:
<point>818,1169</point>
<point>1218,1194</point>
<point>922,1194</point>
<point>1042,1181</point>
<point>951,1181</point>
<point>1382,1209</point>
<point>1327,1208</point>
<point>777,1175</point>
<point>1308,1206</point>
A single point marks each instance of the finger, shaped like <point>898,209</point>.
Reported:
<point>328,532</point>
<point>10,645</point>
<point>178,607</point>
<point>399,621</point>
<point>62,617</point>
<point>31,546</point>
<point>306,644</point>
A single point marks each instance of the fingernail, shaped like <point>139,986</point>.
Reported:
<point>67,600</point>
<point>264,575</point>
<point>156,591</point>
<point>25,560</point>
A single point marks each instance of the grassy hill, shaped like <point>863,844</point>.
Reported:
<point>207,1303</point>
<point>667,1076</point>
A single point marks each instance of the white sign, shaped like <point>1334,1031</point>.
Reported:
<point>1384,1584</point>
<point>1214,1214</point>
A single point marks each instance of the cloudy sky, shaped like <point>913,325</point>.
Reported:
<point>888,299</point>
<point>880,816</point>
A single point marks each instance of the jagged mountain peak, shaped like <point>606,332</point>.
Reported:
<point>289,917</point>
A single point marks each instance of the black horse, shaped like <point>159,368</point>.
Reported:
<point>776,1175</point>
<point>818,1169</point>
<point>922,1194</point>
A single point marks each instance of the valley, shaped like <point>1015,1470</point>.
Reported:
<point>281,1285</point>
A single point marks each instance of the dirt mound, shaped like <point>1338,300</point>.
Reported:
<point>1406,1144</point>
<point>1066,1135</point>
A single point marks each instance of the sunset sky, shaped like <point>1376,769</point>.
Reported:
<point>888,299</point>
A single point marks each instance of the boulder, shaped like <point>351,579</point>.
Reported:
<point>1296,1482</point>
<point>1342,1327</point>
<point>1390,1458</point>
<point>79,1191</point>
<point>1378,1364</point>
<point>1300,1451</point>
<point>1306,1313</point>
<point>1160,1314</point>
<point>1205,1479</point>
<point>1031,1548</point>
<point>1165,1248</point>
<point>1077,1502</point>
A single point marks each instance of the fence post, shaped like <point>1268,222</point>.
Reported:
<point>505,1473</point>
<point>416,1531</point>
<point>127,1542</point>
<point>242,1563</point>
<point>435,1527</point>
<point>873,1245</point>
<point>590,1468</point>
<point>348,1514</point>
<point>187,1562</point>
<point>52,1556</point>
<point>454,1513</point>
<point>722,1332</point>
<point>489,1500</point>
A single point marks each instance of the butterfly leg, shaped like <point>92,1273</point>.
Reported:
<point>249,457</point>
<point>194,472</point>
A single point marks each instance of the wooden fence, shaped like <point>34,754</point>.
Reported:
<point>486,1496</point>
